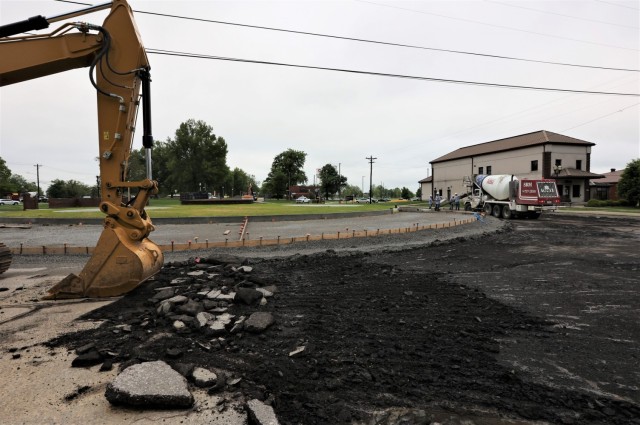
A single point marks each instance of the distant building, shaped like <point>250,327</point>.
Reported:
<point>541,154</point>
<point>310,192</point>
<point>606,188</point>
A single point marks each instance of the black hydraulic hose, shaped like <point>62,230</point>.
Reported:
<point>34,23</point>
<point>103,51</point>
<point>147,138</point>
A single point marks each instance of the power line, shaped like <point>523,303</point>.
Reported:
<point>560,14</point>
<point>409,46</point>
<point>362,40</point>
<point>617,4</point>
<point>496,26</point>
<point>600,117</point>
<point>381,74</point>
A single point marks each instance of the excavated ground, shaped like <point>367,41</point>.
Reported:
<point>538,322</point>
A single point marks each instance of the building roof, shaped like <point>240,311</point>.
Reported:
<point>426,180</point>
<point>566,173</point>
<point>517,142</point>
<point>612,177</point>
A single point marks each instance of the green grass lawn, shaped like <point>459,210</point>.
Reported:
<point>162,208</point>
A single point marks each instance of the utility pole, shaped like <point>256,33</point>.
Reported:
<point>38,179</point>
<point>339,195</point>
<point>370,159</point>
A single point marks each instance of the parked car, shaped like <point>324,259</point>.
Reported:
<point>43,199</point>
<point>9,202</point>
<point>303,200</point>
<point>363,201</point>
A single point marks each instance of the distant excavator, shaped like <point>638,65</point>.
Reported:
<point>124,256</point>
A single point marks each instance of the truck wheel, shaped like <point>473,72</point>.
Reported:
<point>487,209</point>
<point>497,210</point>
<point>506,212</point>
<point>467,207</point>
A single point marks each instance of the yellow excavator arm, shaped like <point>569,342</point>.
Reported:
<point>124,256</point>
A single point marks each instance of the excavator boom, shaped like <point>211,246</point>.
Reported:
<point>124,256</point>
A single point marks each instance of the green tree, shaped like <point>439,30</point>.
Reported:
<point>137,168</point>
<point>419,193</point>
<point>629,183</point>
<point>330,181</point>
<point>239,181</point>
<point>352,190</point>
<point>195,158</point>
<point>290,163</point>
<point>20,184</point>
<point>67,189</point>
<point>5,175</point>
<point>405,193</point>
<point>276,184</point>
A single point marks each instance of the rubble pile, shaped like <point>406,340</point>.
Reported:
<point>342,338</point>
<point>199,305</point>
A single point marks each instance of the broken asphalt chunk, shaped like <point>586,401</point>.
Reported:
<point>150,384</point>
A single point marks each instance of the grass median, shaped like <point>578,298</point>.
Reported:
<point>164,208</point>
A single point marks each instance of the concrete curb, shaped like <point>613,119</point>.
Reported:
<point>245,241</point>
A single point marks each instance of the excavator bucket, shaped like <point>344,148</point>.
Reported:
<point>118,265</point>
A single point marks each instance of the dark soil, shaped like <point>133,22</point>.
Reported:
<point>536,323</point>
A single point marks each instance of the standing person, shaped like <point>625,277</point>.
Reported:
<point>451,203</point>
<point>456,200</point>
<point>430,201</point>
<point>438,202</point>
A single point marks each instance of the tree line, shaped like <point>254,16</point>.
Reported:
<point>195,160</point>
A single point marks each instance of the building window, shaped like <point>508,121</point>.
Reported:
<point>578,164</point>
<point>480,170</point>
<point>576,191</point>
<point>534,165</point>
<point>558,162</point>
<point>488,169</point>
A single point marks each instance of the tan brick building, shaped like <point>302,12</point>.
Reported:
<point>541,154</point>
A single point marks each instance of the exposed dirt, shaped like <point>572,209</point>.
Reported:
<point>535,323</point>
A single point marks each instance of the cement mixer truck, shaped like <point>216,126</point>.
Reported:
<point>507,196</point>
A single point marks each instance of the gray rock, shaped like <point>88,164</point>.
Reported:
<point>244,269</point>
<point>298,352</point>
<point>247,296</point>
<point>271,288</point>
<point>203,318</point>
<point>265,292</point>
<point>178,299</point>
<point>203,378</point>
<point>258,322</point>
<point>151,384</point>
<point>238,326</point>
<point>163,295</point>
<point>260,413</point>
<point>190,308</point>
<point>215,328</point>
<point>178,281</point>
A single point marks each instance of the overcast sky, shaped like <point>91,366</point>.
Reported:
<point>342,118</point>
